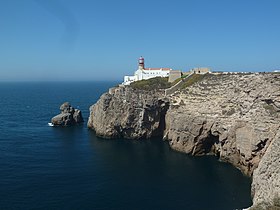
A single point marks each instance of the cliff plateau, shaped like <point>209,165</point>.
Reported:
<point>233,116</point>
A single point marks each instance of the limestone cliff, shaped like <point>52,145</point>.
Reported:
<point>129,113</point>
<point>266,179</point>
<point>234,116</point>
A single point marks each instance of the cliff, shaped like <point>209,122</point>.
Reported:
<point>129,113</point>
<point>234,116</point>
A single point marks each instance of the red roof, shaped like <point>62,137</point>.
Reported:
<point>163,69</point>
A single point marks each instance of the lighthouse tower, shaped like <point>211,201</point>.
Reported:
<point>141,63</point>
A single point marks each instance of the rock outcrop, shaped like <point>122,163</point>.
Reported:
<point>68,116</point>
<point>233,116</point>
<point>266,179</point>
<point>236,117</point>
<point>129,113</point>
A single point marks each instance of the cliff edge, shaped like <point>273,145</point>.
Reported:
<point>129,113</point>
<point>233,116</point>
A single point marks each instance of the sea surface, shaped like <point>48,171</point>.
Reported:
<point>44,167</point>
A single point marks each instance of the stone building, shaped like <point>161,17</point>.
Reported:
<point>200,70</point>
<point>147,73</point>
<point>174,74</point>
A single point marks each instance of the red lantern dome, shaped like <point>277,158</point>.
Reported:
<point>141,60</point>
<point>141,63</point>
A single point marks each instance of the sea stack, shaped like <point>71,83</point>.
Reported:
<point>68,116</point>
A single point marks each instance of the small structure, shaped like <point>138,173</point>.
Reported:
<point>174,74</point>
<point>146,73</point>
<point>200,70</point>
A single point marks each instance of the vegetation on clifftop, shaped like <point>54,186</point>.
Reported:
<point>194,78</point>
<point>155,83</point>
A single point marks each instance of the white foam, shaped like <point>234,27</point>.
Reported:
<point>50,124</point>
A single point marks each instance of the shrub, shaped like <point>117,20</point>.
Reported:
<point>176,81</point>
<point>155,83</point>
<point>270,108</point>
<point>276,202</point>
<point>231,112</point>
<point>194,78</point>
<point>185,75</point>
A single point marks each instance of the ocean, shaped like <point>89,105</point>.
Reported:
<point>44,167</point>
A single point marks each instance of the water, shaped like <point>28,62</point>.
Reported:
<point>43,167</point>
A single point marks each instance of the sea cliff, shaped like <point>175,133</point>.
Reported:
<point>129,113</point>
<point>233,116</point>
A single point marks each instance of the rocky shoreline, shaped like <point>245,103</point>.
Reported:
<point>235,117</point>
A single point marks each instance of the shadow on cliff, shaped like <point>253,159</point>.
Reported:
<point>159,132</point>
<point>206,145</point>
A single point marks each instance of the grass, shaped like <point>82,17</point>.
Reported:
<point>155,83</point>
<point>270,108</point>
<point>194,78</point>
<point>185,75</point>
<point>176,81</point>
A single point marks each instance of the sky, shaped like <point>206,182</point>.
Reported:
<point>88,40</point>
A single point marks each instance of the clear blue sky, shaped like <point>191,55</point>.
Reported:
<point>102,39</point>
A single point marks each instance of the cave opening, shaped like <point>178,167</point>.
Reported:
<point>210,142</point>
<point>207,145</point>
<point>162,124</point>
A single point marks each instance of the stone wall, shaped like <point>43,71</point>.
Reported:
<point>200,70</point>
<point>173,75</point>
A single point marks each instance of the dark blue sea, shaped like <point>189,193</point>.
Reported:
<point>43,167</point>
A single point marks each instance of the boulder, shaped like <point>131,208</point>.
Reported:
<point>68,116</point>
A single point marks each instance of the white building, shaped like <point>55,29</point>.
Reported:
<point>146,73</point>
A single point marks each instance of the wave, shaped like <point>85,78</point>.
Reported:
<point>50,124</point>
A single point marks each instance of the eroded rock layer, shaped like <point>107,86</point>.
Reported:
<point>233,116</point>
<point>128,113</point>
<point>68,116</point>
<point>266,179</point>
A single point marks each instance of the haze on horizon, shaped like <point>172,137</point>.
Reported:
<point>71,40</point>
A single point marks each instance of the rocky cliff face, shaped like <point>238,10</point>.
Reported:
<point>128,113</point>
<point>235,117</point>
<point>68,116</point>
<point>266,179</point>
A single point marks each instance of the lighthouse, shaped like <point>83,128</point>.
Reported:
<point>146,73</point>
<point>141,63</point>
